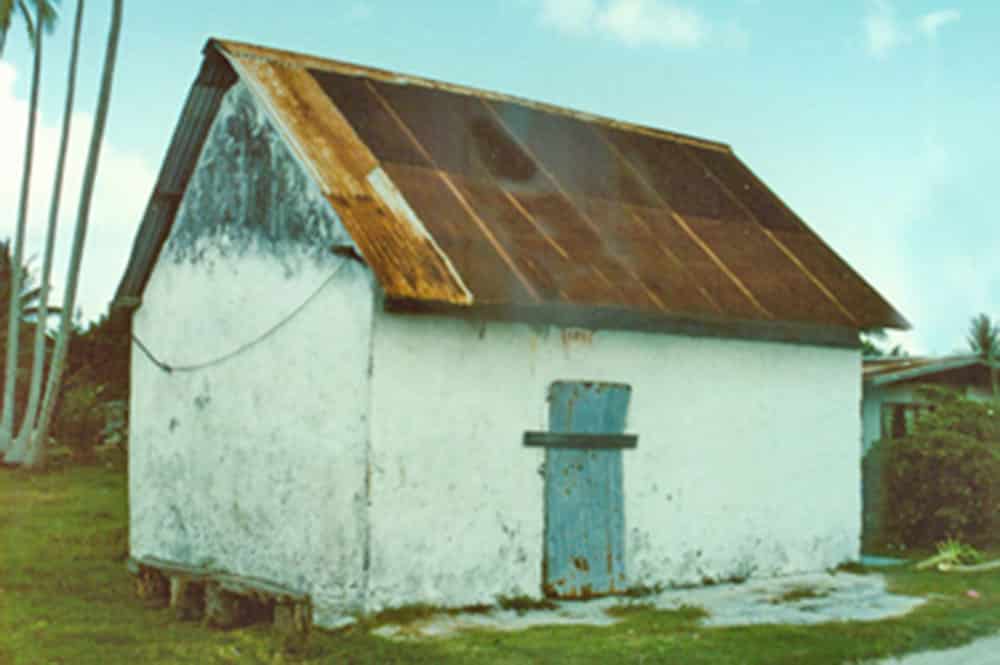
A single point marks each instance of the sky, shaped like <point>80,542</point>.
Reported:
<point>873,119</point>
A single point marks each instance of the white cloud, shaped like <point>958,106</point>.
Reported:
<point>637,22</point>
<point>124,181</point>
<point>884,31</point>
<point>571,16</point>
<point>934,21</point>
<point>631,22</point>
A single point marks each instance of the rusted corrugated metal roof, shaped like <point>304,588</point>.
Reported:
<point>465,198</point>
<point>214,78</point>
<point>881,371</point>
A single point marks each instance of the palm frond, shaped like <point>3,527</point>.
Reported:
<point>6,14</point>
<point>48,12</point>
<point>44,10</point>
<point>29,24</point>
<point>984,336</point>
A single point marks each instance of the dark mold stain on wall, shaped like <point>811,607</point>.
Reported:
<point>248,193</point>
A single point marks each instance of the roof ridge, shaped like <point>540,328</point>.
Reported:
<point>286,57</point>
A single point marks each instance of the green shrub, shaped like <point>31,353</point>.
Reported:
<point>943,480</point>
<point>80,419</point>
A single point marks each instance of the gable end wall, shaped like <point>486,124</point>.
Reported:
<point>254,464</point>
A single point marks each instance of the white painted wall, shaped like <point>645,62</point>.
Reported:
<point>746,464</point>
<point>255,465</point>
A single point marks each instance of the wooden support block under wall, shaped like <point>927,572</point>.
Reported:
<point>225,609</point>
<point>187,597</point>
<point>222,609</point>
<point>293,623</point>
<point>152,587</point>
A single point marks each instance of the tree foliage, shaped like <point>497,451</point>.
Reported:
<point>873,345</point>
<point>99,355</point>
<point>984,340</point>
<point>96,384</point>
<point>28,292</point>
<point>46,9</point>
<point>97,367</point>
<point>943,480</point>
<point>984,336</point>
<point>28,295</point>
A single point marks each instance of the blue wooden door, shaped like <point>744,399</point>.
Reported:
<point>584,506</point>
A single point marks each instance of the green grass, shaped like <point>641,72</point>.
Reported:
<point>797,594</point>
<point>65,598</point>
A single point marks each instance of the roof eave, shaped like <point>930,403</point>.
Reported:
<point>911,373</point>
<point>214,78</point>
<point>616,318</point>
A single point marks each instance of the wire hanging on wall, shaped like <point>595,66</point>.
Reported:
<point>169,369</point>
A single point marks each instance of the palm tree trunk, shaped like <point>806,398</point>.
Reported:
<point>38,364</point>
<point>14,311</point>
<point>3,39</point>
<point>36,451</point>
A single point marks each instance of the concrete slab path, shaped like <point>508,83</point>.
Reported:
<point>985,651</point>
<point>801,599</point>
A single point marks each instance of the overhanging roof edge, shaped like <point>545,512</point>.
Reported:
<point>910,373</point>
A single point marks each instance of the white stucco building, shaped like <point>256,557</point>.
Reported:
<point>398,341</point>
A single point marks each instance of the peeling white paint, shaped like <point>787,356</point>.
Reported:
<point>256,465</point>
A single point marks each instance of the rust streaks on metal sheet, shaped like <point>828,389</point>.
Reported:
<point>398,249</point>
<point>680,221</point>
<point>697,240</point>
<point>617,275</point>
<point>483,226</point>
<point>768,273</point>
<point>450,191</point>
<point>542,232</point>
<point>684,273</point>
<point>865,305</point>
<point>315,128</point>
<point>481,268</point>
<point>780,245</point>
